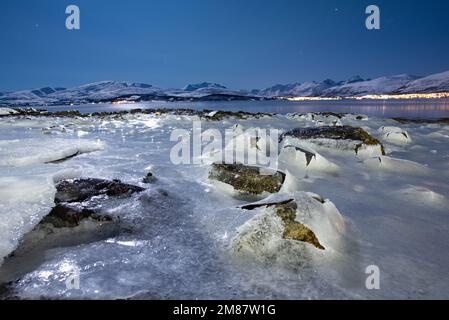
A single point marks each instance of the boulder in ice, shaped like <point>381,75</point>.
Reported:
<point>239,179</point>
<point>341,138</point>
<point>289,229</point>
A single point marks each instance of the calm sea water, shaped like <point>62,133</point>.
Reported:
<point>428,108</point>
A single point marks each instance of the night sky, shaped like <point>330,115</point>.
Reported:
<point>239,43</point>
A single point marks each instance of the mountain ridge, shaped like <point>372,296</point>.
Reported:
<point>111,91</point>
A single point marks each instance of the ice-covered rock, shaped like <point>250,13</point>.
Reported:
<point>340,138</point>
<point>395,135</point>
<point>289,229</point>
<point>242,180</point>
<point>253,141</point>
<point>149,178</point>
<point>319,118</point>
<point>74,209</point>
<point>24,202</point>
<point>422,196</point>
<point>304,158</point>
<point>7,111</point>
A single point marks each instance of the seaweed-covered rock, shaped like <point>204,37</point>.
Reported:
<point>247,179</point>
<point>340,137</point>
<point>78,190</point>
<point>293,230</point>
<point>72,200</point>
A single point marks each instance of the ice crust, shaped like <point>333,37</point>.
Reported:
<point>175,238</point>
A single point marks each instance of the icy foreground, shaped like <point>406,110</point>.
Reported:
<point>343,206</point>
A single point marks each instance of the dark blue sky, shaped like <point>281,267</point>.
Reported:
<point>239,43</point>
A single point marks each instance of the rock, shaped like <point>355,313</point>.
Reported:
<point>64,216</point>
<point>149,178</point>
<point>320,118</point>
<point>72,197</point>
<point>286,210</point>
<point>247,179</point>
<point>340,137</point>
<point>289,229</point>
<point>78,190</point>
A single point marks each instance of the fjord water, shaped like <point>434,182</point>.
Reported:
<point>422,108</point>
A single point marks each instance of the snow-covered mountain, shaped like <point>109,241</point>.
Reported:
<point>39,96</point>
<point>375,86</point>
<point>296,89</point>
<point>354,86</point>
<point>203,85</point>
<point>108,91</point>
<point>90,92</point>
<point>434,83</point>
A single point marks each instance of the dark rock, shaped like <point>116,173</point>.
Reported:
<point>79,190</point>
<point>246,178</point>
<point>253,206</point>
<point>63,216</point>
<point>293,230</point>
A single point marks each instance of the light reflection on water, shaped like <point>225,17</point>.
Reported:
<point>429,108</point>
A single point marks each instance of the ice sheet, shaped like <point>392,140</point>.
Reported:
<point>175,244</point>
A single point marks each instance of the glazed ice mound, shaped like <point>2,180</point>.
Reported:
<point>345,138</point>
<point>246,181</point>
<point>24,202</point>
<point>7,111</point>
<point>304,158</point>
<point>384,163</point>
<point>289,229</point>
<point>395,135</point>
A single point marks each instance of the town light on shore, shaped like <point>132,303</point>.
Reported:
<point>438,95</point>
